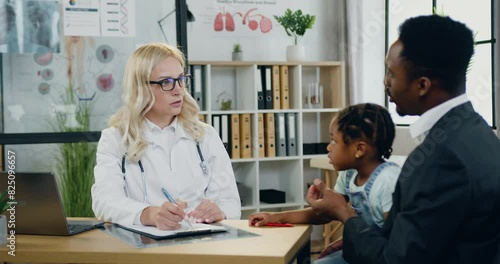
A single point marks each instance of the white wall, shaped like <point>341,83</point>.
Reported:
<point>204,43</point>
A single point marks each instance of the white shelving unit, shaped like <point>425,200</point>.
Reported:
<point>237,81</point>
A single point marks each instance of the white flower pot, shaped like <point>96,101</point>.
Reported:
<point>237,56</point>
<point>295,53</point>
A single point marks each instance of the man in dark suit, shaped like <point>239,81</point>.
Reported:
<point>446,205</point>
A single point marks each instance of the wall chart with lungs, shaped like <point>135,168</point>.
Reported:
<point>251,18</point>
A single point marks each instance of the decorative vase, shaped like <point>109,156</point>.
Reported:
<point>295,53</point>
<point>3,230</point>
<point>237,56</point>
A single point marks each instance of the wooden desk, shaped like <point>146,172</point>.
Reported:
<point>274,245</point>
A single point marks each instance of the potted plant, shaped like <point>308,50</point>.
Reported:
<point>75,162</point>
<point>4,204</point>
<point>295,24</point>
<point>237,52</point>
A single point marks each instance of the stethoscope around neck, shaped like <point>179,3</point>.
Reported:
<point>203,167</point>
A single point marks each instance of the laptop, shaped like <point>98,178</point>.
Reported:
<point>39,210</point>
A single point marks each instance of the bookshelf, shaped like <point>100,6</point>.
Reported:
<point>240,81</point>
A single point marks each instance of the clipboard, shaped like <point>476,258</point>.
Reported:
<point>155,233</point>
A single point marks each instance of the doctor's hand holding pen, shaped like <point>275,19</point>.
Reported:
<point>166,217</point>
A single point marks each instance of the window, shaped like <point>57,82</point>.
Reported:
<point>478,16</point>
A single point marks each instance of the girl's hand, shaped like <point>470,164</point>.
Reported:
<point>260,219</point>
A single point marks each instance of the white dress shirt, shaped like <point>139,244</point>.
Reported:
<point>421,127</point>
<point>171,161</point>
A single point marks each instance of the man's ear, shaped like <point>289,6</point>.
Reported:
<point>424,86</point>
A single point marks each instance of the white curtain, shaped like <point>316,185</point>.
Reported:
<point>359,30</point>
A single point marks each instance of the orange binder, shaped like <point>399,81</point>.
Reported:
<point>201,117</point>
<point>276,87</point>
<point>269,135</point>
<point>235,136</point>
<point>260,123</point>
<point>245,136</point>
<point>284,94</point>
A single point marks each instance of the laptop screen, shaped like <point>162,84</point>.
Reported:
<point>38,207</point>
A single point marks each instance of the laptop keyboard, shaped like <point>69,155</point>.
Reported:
<point>73,229</point>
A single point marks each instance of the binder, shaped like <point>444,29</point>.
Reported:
<point>245,136</point>
<point>267,86</point>
<point>216,124</point>
<point>284,89</point>
<point>276,87</point>
<point>280,137</point>
<point>201,117</point>
<point>225,122</point>
<point>291,134</point>
<point>193,81</point>
<point>261,141</point>
<point>270,147</point>
<point>260,91</point>
<point>198,83</point>
<point>235,136</point>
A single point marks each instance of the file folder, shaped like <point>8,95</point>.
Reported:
<point>246,136</point>
<point>216,124</point>
<point>267,86</point>
<point>225,122</point>
<point>280,137</point>
<point>191,87</point>
<point>261,141</point>
<point>276,87</point>
<point>284,89</point>
<point>291,134</point>
<point>198,77</point>
<point>260,92</point>
<point>235,136</point>
<point>270,147</point>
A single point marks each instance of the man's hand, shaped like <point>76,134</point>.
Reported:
<point>334,246</point>
<point>207,211</point>
<point>328,203</point>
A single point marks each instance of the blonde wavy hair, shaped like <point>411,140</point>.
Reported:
<point>138,99</point>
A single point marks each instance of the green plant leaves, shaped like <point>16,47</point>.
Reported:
<point>4,201</point>
<point>295,23</point>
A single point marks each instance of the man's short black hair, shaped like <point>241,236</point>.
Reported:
<point>437,47</point>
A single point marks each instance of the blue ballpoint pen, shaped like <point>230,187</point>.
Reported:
<point>171,199</point>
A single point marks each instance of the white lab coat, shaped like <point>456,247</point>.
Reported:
<point>174,167</point>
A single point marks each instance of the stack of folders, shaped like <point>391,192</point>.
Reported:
<point>235,131</point>
<point>279,134</point>
<point>285,134</point>
<point>272,87</point>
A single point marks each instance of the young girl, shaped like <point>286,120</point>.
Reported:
<point>361,139</point>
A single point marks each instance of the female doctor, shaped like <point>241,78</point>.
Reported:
<point>156,141</point>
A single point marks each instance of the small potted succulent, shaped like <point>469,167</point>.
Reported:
<point>295,24</point>
<point>237,52</point>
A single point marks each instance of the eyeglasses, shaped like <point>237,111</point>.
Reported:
<point>168,84</point>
